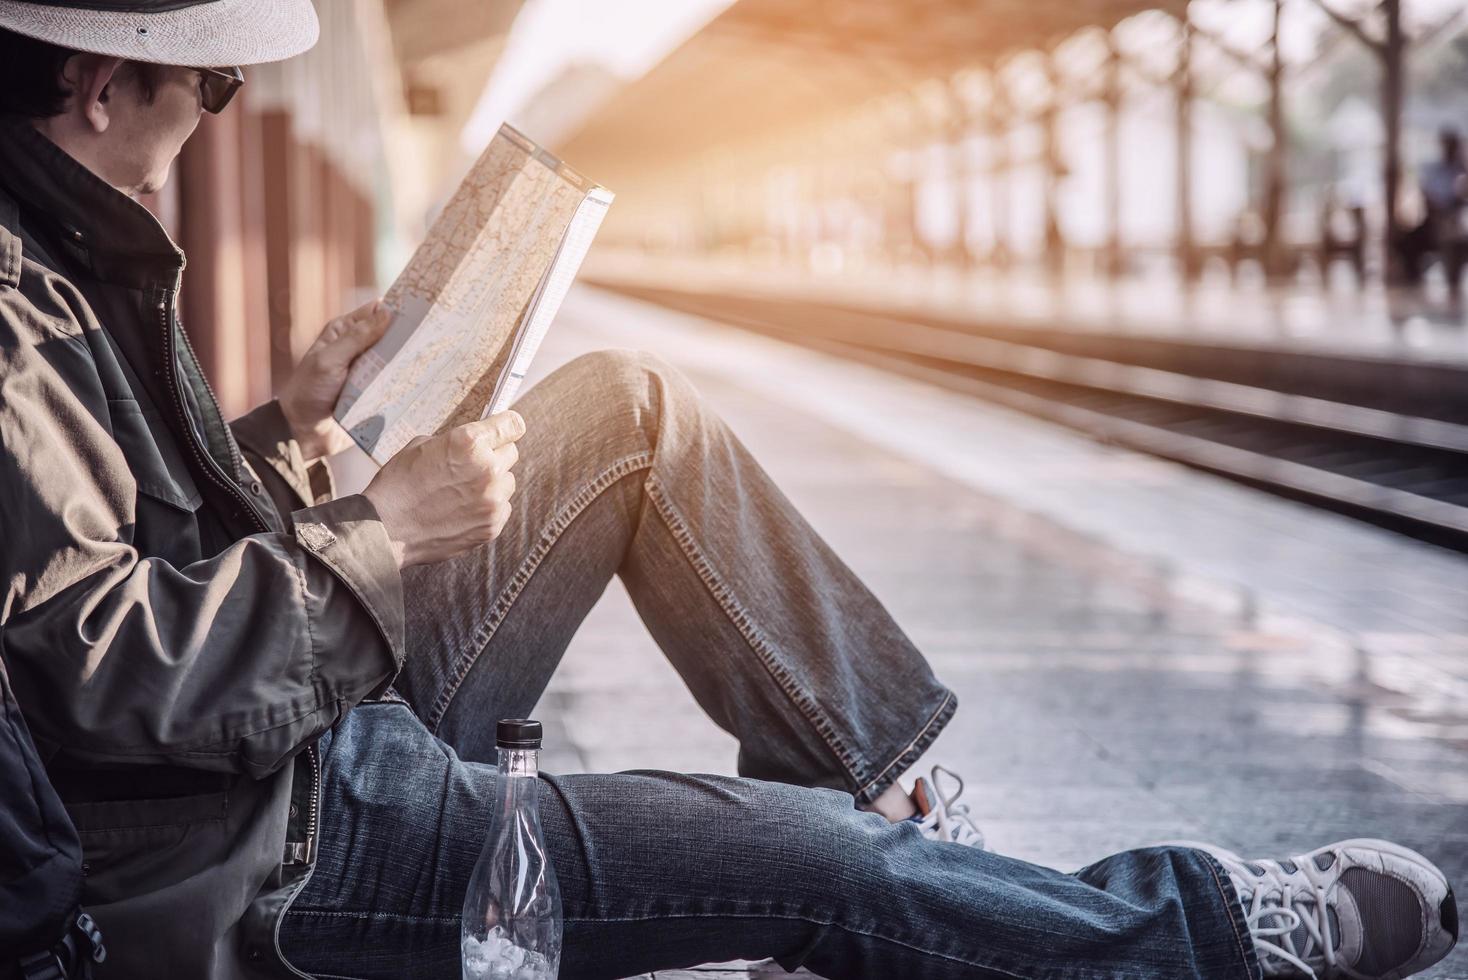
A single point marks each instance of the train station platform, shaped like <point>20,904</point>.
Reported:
<point>1332,316</point>
<point>1141,651</point>
<point>1323,394</point>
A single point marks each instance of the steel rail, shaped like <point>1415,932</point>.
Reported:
<point>956,360</point>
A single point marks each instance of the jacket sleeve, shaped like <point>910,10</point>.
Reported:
<point>273,453</point>
<point>230,663</point>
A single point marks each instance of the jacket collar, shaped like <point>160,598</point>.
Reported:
<point>112,236</point>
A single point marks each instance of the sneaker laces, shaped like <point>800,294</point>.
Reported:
<point>1272,895</point>
<point>949,820</point>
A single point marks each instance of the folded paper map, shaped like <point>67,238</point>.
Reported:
<point>475,300</point>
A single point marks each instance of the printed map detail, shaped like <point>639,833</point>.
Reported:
<point>475,298</point>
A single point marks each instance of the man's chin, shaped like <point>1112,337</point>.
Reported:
<point>154,184</point>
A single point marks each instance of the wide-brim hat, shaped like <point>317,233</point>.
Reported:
<point>189,33</point>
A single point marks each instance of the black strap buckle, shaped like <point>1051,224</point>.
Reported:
<point>65,961</point>
<point>86,927</point>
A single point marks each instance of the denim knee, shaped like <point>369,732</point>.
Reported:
<point>816,856</point>
<point>644,386</point>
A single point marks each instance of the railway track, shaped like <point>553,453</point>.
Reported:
<point>1375,452</point>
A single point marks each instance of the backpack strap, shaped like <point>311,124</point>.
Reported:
<point>71,958</point>
<point>42,966</point>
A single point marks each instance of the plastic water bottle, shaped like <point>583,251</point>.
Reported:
<point>512,912</point>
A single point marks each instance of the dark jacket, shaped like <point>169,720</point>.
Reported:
<point>40,855</point>
<point>184,608</point>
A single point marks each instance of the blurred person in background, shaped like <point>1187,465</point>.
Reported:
<point>270,708</point>
<point>1441,232</point>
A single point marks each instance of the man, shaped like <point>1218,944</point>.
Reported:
<point>203,637</point>
<point>1444,184</point>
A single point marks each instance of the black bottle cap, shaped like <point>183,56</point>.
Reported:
<point>517,733</point>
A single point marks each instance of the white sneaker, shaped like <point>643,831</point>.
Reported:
<point>941,817</point>
<point>1363,909</point>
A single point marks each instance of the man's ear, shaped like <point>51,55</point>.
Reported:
<point>88,76</point>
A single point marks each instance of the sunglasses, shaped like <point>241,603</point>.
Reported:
<point>219,86</point>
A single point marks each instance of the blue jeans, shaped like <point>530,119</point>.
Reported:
<point>625,472</point>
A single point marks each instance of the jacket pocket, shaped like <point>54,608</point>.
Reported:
<point>131,847</point>
<point>153,455</point>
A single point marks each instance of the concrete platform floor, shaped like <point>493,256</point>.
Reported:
<point>1140,651</point>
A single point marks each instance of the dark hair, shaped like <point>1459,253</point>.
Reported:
<point>31,85</point>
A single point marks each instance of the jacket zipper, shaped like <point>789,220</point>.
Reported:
<point>207,462</point>
<point>304,852</point>
<point>313,759</point>
<point>211,468</point>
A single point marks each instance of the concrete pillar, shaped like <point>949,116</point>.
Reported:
<point>213,171</point>
<point>912,136</point>
<point>278,150</point>
<point>1275,161</point>
<point>308,248</point>
<point>956,138</point>
<point>1111,100</point>
<point>253,192</point>
<point>1000,252</point>
<point>1187,251</point>
<point>1393,53</point>
<point>1050,120</point>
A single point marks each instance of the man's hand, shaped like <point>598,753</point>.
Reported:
<point>309,397</point>
<point>442,495</point>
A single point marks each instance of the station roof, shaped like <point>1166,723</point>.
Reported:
<point>445,52</point>
<point>926,35</point>
<point>767,65</point>
<point>423,29</point>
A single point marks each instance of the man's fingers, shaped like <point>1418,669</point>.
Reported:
<point>371,322</point>
<point>505,457</point>
<point>352,333</point>
<point>497,430</point>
